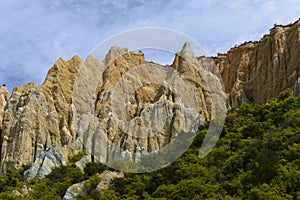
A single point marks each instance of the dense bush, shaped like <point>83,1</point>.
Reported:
<point>93,168</point>
<point>257,157</point>
<point>76,157</point>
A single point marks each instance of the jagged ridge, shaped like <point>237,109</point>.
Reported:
<point>72,110</point>
<point>38,117</point>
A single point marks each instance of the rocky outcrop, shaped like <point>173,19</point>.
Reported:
<point>39,117</point>
<point>120,108</point>
<point>124,107</point>
<point>258,71</point>
<point>83,161</point>
<point>75,190</point>
<point>4,96</point>
<point>141,106</point>
<point>44,163</point>
<point>22,192</point>
<point>106,179</point>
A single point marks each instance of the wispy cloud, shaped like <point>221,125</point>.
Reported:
<point>35,33</point>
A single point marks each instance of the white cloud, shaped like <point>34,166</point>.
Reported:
<point>35,33</point>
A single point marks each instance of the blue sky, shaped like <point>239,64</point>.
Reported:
<point>35,33</point>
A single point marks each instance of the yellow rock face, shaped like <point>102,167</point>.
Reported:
<point>258,71</point>
<point>4,96</point>
<point>78,107</point>
<point>74,108</point>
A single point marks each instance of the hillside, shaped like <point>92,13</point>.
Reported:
<point>257,157</point>
<point>58,138</point>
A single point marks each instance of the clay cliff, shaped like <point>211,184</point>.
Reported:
<point>4,96</point>
<point>107,108</point>
<point>258,71</point>
<point>82,106</point>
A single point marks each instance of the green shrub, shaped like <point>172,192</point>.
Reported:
<point>93,168</point>
<point>76,157</point>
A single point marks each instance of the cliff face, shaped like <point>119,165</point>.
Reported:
<point>82,106</point>
<point>4,96</point>
<point>38,117</point>
<point>108,108</point>
<point>258,71</point>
